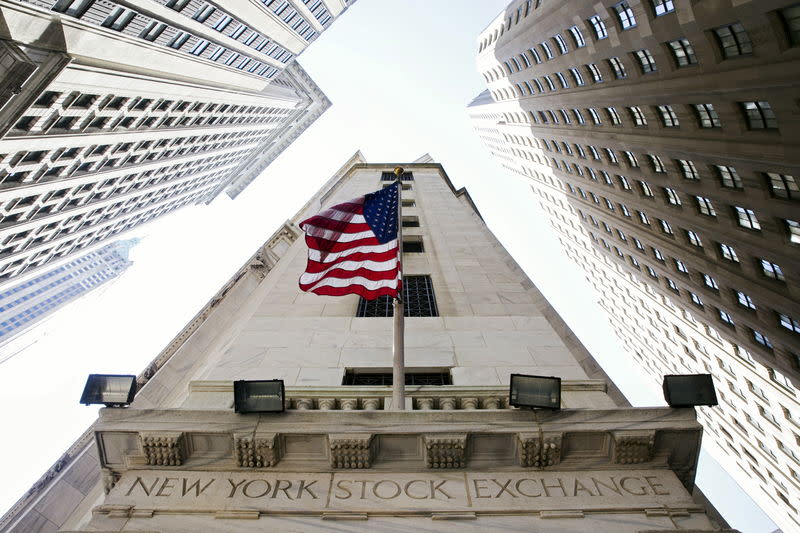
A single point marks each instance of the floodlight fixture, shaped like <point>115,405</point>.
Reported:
<point>112,390</point>
<point>689,390</point>
<point>259,396</point>
<point>543,392</point>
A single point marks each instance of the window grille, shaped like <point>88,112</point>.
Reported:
<point>366,377</point>
<point>683,52</point>
<point>646,61</point>
<point>733,40</point>
<point>418,297</point>
<point>390,176</point>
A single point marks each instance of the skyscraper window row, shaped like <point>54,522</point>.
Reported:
<point>137,25</point>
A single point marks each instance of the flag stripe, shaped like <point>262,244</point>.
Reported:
<point>365,283</point>
<point>353,247</point>
<point>350,268</point>
<point>315,267</point>
<point>380,249</point>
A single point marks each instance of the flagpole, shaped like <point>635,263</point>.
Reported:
<point>398,364</point>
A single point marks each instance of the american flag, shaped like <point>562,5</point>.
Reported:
<point>353,248</point>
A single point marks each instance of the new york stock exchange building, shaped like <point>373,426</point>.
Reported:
<point>180,458</point>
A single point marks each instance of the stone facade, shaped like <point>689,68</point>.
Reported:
<point>639,127</point>
<point>180,459</point>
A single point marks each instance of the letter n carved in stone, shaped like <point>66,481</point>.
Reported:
<point>351,450</point>
<point>257,451</point>
<point>446,450</point>
<point>535,450</point>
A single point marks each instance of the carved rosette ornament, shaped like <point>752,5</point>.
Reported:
<point>259,451</point>
<point>163,449</point>
<point>446,450</point>
<point>351,450</point>
<point>631,447</point>
<point>535,450</point>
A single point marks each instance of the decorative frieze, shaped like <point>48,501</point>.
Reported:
<point>539,450</point>
<point>371,404</point>
<point>163,449</point>
<point>349,404</point>
<point>632,447</point>
<point>446,450</point>
<point>425,404</point>
<point>351,450</point>
<point>257,451</point>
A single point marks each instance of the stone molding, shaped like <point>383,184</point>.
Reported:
<point>369,398</point>
<point>326,440</point>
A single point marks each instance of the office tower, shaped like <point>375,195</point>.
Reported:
<point>114,113</point>
<point>25,305</point>
<point>661,138</point>
<point>339,457</point>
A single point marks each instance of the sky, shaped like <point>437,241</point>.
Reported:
<point>400,75</point>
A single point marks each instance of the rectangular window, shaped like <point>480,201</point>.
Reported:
<point>625,15</point>
<point>771,270</point>
<point>598,26</point>
<point>638,116</point>
<point>618,67</point>
<point>668,117</point>
<point>746,218</point>
<point>727,252</point>
<point>728,177</point>
<point>153,30</point>
<point>418,297</point>
<point>656,164</point>
<point>783,186</point>
<point>595,118</point>
<point>662,7</point>
<point>672,196</point>
<point>791,22</point>
<point>576,75</point>
<point>688,169</point>
<point>390,176</point>
<point>374,377</point>
<point>577,37</point>
<point>613,116</point>
<point>793,229</point>
<point>759,115</point>
<point>547,51</point>
<point>118,19</point>
<point>413,246</point>
<point>789,323</point>
<point>682,52</point>
<point>707,116</point>
<point>694,238</point>
<point>705,206</point>
<point>646,61</point>
<point>646,190</point>
<point>761,339</point>
<point>594,72</point>
<point>562,44</point>
<point>733,40</point>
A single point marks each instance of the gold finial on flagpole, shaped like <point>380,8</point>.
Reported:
<point>398,171</point>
